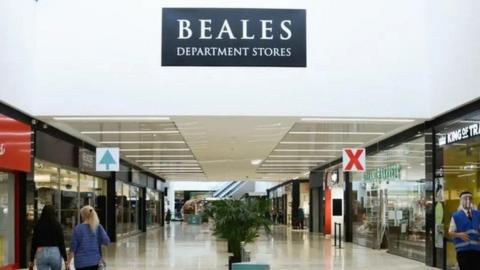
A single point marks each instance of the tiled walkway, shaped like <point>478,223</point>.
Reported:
<point>191,247</point>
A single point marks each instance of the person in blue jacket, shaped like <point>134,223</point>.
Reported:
<point>86,241</point>
<point>465,232</point>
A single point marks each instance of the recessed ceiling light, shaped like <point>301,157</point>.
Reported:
<point>286,165</point>
<point>113,118</point>
<point>356,120</point>
<point>167,160</point>
<point>300,156</point>
<point>336,133</point>
<point>307,150</point>
<point>142,142</point>
<point>171,165</point>
<point>176,168</point>
<point>157,156</point>
<point>132,132</point>
<point>255,161</point>
<point>289,161</point>
<point>321,142</point>
<point>153,149</point>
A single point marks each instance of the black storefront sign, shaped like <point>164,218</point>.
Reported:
<point>86,160</point>
<point>460,134</point>
<point>234,37</point>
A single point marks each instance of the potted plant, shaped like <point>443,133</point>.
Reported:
<point>239,221</point>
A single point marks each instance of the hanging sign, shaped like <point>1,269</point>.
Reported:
<point>108,159</point>
<point>354,160</point>
<point>460,134</point>
<point>233,37</point>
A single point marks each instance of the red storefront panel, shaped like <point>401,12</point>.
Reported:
<point>15,145</point>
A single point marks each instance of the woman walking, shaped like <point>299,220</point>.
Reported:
<point>86,242</point>
<point>48,245</point>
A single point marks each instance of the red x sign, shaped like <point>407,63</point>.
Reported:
<point>354,159</point>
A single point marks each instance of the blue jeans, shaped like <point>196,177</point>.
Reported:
<point>48,258</point>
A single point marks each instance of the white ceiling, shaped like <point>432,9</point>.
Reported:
<point>223,148</point>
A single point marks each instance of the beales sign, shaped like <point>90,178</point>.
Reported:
<point>233,37</point>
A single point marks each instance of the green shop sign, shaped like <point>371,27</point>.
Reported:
<point>390,172</point>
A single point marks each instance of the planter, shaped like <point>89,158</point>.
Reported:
<point>231,260</point>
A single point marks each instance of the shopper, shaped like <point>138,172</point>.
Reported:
<point>301,218</point>
<point>464,229</point>
<point>48,245</point>
<point>86,242</point>
<point>168,216</point>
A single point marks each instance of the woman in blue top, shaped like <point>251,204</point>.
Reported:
<point>86,241</point>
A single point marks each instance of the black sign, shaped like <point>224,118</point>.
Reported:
<point>460,134</point>
<point>234,37</point>
<point>86,160</point>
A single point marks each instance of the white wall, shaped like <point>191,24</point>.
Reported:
<point>454,53</point>
<point>377,58</point>
<point>16,52</point>
<point>262,186</point>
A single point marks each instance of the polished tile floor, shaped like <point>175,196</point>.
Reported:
<point>191,247</point>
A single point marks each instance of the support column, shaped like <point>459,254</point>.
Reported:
<point>111,208</point>
<point>347,217</point>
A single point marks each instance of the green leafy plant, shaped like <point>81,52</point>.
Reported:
<point>239,221</point>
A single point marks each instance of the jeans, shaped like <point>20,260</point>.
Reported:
<point>48,258</point>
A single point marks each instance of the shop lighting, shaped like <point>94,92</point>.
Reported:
<point>91,118</point>
<point>321,142</point>
<point>335,133</point>
<point>300,156</point>
<point>142,142</point>
<point>158,156</point>
<point>466,175</point>
<point>306,173</point>
<point>154,149</point>
<point>132,132</point>
<point>356,120</point>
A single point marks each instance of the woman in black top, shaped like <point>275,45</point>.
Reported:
<point>48,244</point>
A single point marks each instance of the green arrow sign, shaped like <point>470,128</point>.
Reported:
<point>107,160</point>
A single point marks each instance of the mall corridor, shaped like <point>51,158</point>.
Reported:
<point>182,246</point>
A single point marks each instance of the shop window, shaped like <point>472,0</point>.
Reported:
<point>391,200</point>
<point>7,219</point>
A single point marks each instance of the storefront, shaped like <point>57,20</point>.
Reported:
<point>15,162</point>
<point>392,200</point>
<point>457,169</point>
<point>154,204</point>
<point>289,199</point>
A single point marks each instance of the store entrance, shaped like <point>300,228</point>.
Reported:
<point>459,170</point>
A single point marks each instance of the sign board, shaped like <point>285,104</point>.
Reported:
<point>108,159</point>
<point>354,160</point>
<point>234,37</point>
<point>15,145</point>
<point>390,172</point>
<point>86,160</point>
<point>460,134</point>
